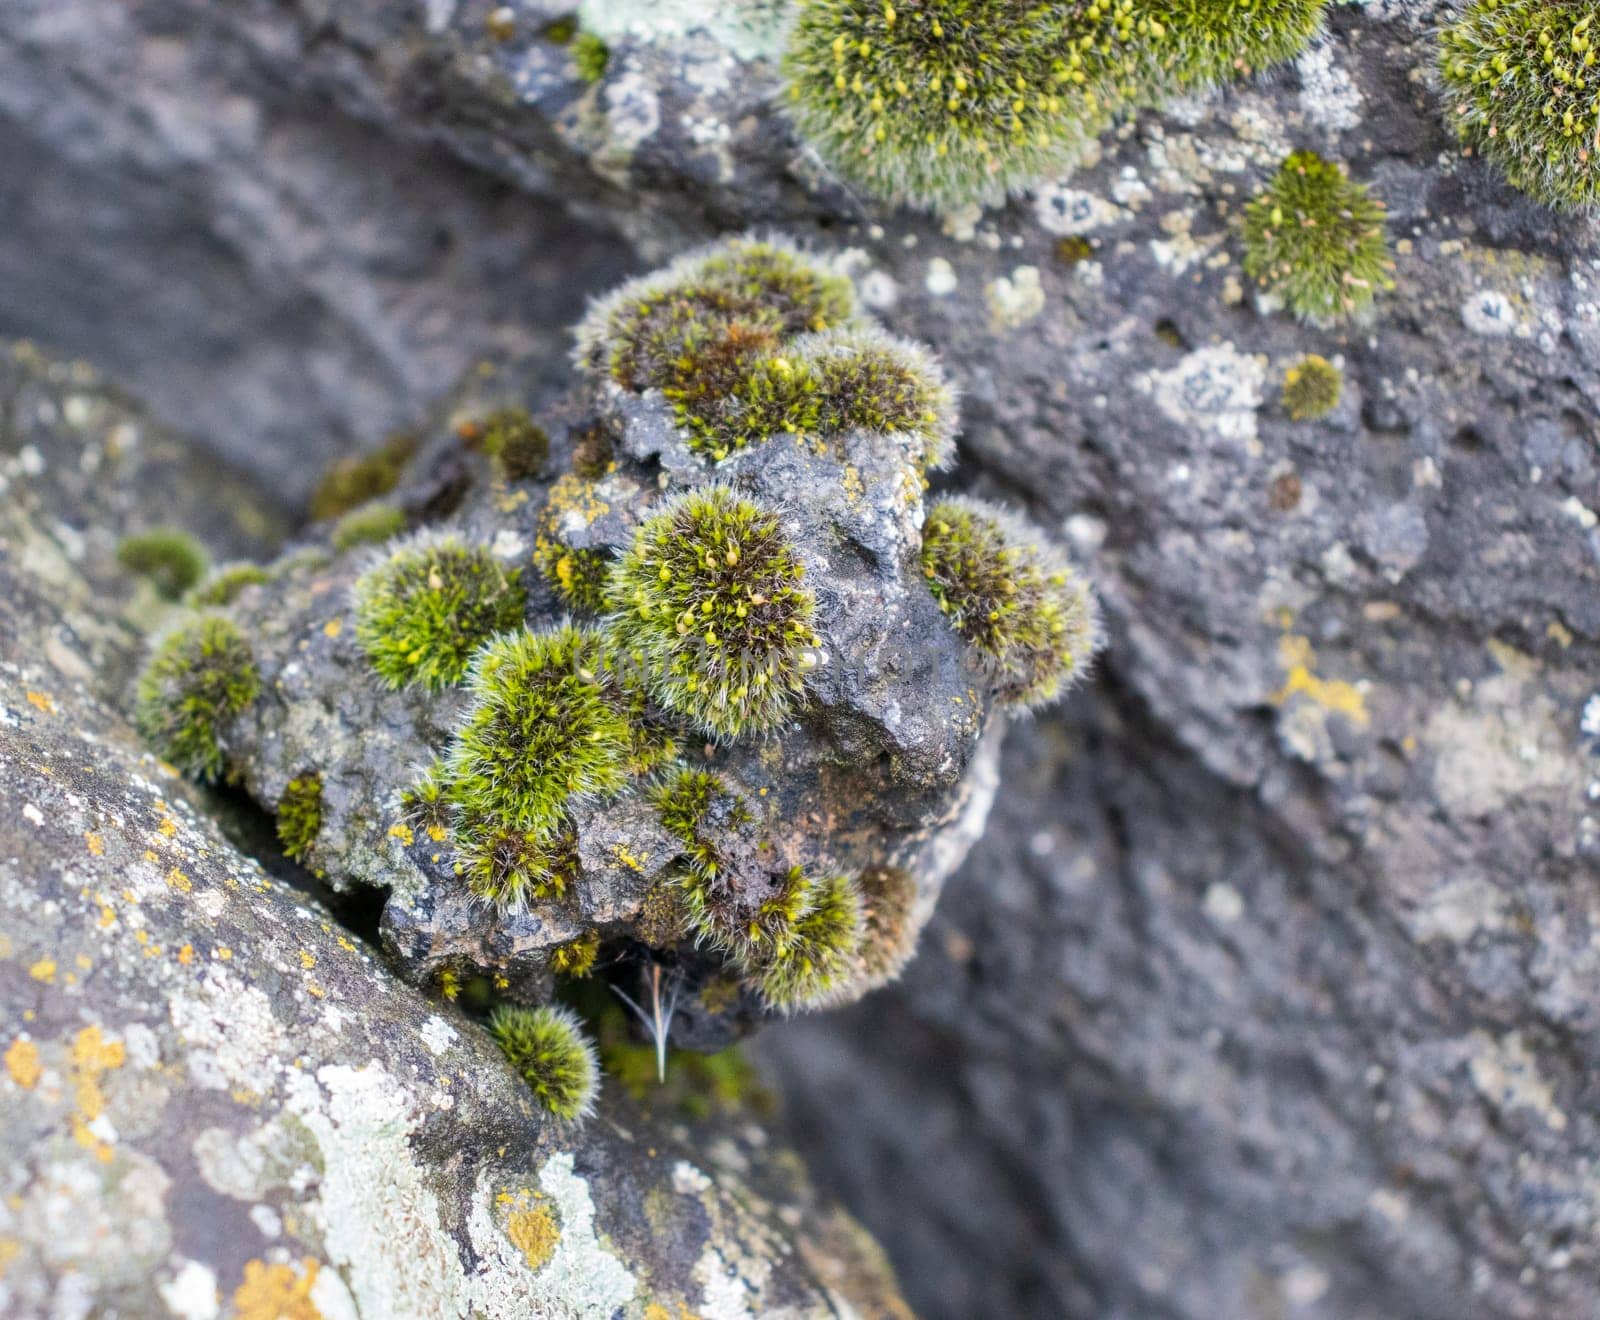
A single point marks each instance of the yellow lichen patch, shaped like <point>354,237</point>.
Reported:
<point>41,701</point>
<point>10,1249</point>
<point>95,843</point>
<point>333,627</point>
<point>176,879</point>
<point>276,1292</point>
<point>629,859</point>
<point>44,970</point>
<point>22,1062</point>
<point>92,1057</point>
<point>186,954</point>
<point>1335,695</point>
<point>572,494</point>
<point>532,1229</point>
<point>400,830</point>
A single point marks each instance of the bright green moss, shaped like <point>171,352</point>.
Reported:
<point>371,524</point>
<point>1523,90</point>
<point>1025,611</point>
<point>423,610</point>
<point>1311,388</point>
<point>815,964</point>
<point>888,924</point>
<point>425,806</point>
<point>543,728</point>
<point>517,445</point>
<point>711,608</point>
<point>941,103</point>
<point>352,481</point>
<point>576,958</point>
<point>1316,240</point>
<point>173,561</point>
<point>223,585</point>
<point>590,55</point>
<point>509,867</point>
<point>300,815</point>
<point>200,676</point>
<point>547,1046</point>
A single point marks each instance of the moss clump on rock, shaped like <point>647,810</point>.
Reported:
<point>1315,239</point>
<point>889,929</point>
<point>1311,388</point>
<point>815,964</point>
<point>423,609</point>
<point>371,524</point>
<point>1156,47</point>
<point>576,958</point>
<point>352,481</point>
<point>942,103</point>
<point>590,55</point>
<point>223,584</point>
<point>300,815</point>
<point>516,444</point>
<point>508,868</point>
<point>1522,90</point>
<point>198,677</point>
<point>173,561</point>
<point>578,576</point>
<point>1028,614</point>
<point>710,605</point>
<point>548,1048</point>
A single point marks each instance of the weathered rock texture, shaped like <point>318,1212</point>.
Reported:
<point>216,1102</point>
<point>1271,993</point>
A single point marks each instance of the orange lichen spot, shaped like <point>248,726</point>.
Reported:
<point>186,954</point>
<point>22,1062</point>
<point>167,828</point>
<point>307,959</point>
<point>41,701</point>
<point>533,1231</point>
<point>96,844</point>
<point>222,951</point>
<point>176,879</point>
<point>333,627</point>
<point>44,970</point>
<point>1335,695</point>
<point>276,1292</point>
<point>400,830</point>
<point>315,990</point>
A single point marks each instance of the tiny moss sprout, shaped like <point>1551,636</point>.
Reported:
<point>941,103</point>
<point>425,806</point>
<point>371,524</point>
<point>590,55</point>
<point>173,561</point>
<point>888,930</point>
<point>543,728</point>
<point>422,610</point>
<point>517,445</point>
<point>576,958</point>
<point>703,813</point>
<point>816,964</point>
<point>198,677</point>
<point>223,584</point>
<point>662,921</point>
<point>1027,613</point>
<point>548,1048</point>
<point>578,576</point>
<point>1523,90</point>
<point>352,481</point>
<point>710,605</point>
<point>1316,240</point>
<point>1311,388</point>
<point>300,815</point>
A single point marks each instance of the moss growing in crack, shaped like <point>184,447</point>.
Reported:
<point>816,964</point>
<point>543,729</point>
<point>662,921</point>
<point>576,958</point>
<point>1311,388</point>
<point>199,676</point>
<point>888,924</point>
<point>425,806</point>
<point>425,608</point>
<point>699,809</point>
<point>942,103</point>
<point>1522,88</point>
<point>1315,239</point>
<point>300,815</point>
<point>1027,613</point>
<point>173,561</point>
<point>548,1048</point>
<point>516,444</point>
<point>590,55</point>
<point>352,481</point>
<point>711,607</point>
<point>371,524</point>
<point>866,380</point>
<point>223,585</point>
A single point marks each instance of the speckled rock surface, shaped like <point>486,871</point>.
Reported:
<point>1271,992</point>
<point>215,1102</point>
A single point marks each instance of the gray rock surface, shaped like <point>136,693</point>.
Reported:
<point>215,1101</point>
<point>1271,991</point>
